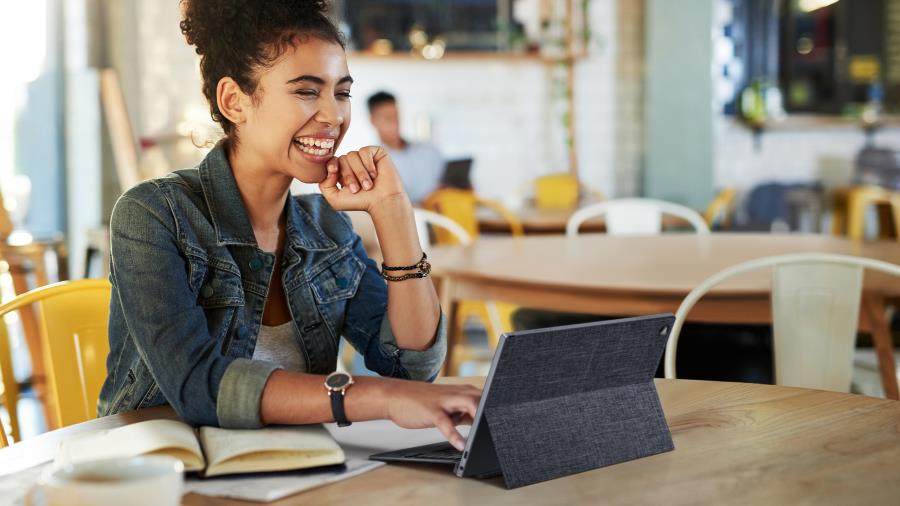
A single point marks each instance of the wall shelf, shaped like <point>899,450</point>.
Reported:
<point>818,122</point>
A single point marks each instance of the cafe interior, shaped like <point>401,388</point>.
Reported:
<point>735,163</point>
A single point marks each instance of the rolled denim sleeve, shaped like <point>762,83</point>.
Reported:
<point>151,275</point>
<point>240,392</point>
<point>419,365</point>
<point>368,328</point>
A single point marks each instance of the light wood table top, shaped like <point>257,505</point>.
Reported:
<point>663,264</point>
<point>638,275</point>
<point>734,443</point>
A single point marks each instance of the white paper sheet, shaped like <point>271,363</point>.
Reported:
<point>265,488</point>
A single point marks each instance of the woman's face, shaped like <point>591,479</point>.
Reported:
<point>300,111</point>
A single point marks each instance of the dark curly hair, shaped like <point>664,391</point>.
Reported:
<point>235,38</point>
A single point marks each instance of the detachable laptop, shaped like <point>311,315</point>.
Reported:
<point>563,400</point>
<point>457,174</point>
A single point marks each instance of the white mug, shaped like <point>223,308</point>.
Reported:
<point>137,481</point>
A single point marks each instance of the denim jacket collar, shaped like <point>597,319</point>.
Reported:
<point>229,216</point>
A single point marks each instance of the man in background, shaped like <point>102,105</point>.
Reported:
<point>419,164</point>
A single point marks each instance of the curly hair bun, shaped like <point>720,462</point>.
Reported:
<point>236,37</point>
<point>207,21</point>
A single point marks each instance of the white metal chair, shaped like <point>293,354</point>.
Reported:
<point>425,217</point>
<point>815,310</point>
<point>635,216</point>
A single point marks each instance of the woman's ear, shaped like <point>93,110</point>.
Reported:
<point>232,101</point>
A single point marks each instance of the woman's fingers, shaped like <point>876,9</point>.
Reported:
<point>463,406</point>
<point>348,178</point>
<point>462,419</point>
<point>355,161</point>
<point>445,425</point>
<point>328,186</point>
<point>368,158</point>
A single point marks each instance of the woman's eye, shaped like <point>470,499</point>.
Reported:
<point>344,95</point>
<point>307,93</point>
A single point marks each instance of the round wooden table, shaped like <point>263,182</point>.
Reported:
<point>734,443</point>
<point>638,275</point>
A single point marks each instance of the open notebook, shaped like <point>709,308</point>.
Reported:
<point>210,450</point>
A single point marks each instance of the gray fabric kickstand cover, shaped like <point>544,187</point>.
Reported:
<point>559,417</point>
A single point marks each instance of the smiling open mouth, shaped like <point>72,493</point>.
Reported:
<point>314,146</point>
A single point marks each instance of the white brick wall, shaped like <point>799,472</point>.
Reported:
<point>790,156</point>
<point>496,110</point>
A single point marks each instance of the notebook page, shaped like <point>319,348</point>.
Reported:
<point>131,440</point>
<point>226,444</point>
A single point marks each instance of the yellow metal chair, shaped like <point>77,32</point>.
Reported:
<point>718,212</point>
<point>562,191</point>
<point>556,191</point>
<point>849,212</point>
<point>73,320</point>
<point>3,441</point>
<point>461,206</point>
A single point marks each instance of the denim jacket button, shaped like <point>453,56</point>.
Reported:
<point>341,283</point>
<point>255,264</point>
<point>207,291</point>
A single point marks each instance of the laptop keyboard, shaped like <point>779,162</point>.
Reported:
<point>449,454</point>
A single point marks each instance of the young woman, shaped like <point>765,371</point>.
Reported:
<point>230,295</point>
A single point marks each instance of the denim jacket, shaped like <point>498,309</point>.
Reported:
<point>189,285</point>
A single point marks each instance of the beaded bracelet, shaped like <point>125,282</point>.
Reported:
<point>423,267</point>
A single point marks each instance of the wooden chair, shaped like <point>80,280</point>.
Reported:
<point>635,216</point>
<point>815,311</point>
<point>461,206</point>
<point>73,325</point>
<point>718,212</point>
<point>495,316</point>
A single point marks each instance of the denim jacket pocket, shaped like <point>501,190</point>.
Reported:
<point>221,286</point>
<point>339,280</point>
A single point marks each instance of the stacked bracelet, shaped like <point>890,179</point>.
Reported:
<point>422,267</point>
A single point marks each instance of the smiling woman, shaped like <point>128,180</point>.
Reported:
<point>229,294</point>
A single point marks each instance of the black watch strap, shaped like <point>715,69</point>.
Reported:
<point>337,408</point>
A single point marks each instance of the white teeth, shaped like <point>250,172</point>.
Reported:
<point>312,142</point>
<point>309,146</point>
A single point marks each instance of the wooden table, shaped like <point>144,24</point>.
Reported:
<point>536,221</point>
<point>636,275</point>
<point>734,443</point>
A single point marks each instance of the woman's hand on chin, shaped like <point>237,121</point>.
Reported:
<point>363,180</point>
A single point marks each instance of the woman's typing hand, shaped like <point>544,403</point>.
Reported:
<point>417,405</point>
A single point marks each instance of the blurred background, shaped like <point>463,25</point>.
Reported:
<point>767,115</point>
<point>673,100</point>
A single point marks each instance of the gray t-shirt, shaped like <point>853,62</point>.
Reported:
<point>278,345</point>
<point>420,167</point>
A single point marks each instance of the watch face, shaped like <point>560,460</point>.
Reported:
<point>337,380</point>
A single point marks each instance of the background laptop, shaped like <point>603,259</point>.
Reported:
<point>457,174</point>
<point>535,365</point>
